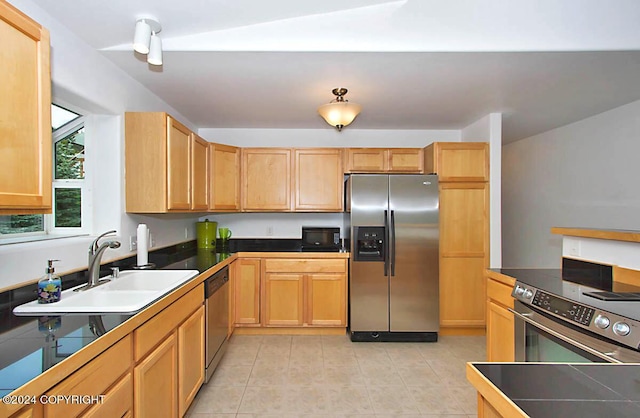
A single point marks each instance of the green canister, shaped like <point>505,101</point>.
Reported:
<point>206,234</point>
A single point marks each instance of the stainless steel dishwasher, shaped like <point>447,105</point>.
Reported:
<point>216,293</point>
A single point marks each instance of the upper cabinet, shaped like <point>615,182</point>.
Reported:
<point>458,161</point>
<point>318,179</point>
<point>25,114</point>
<point>266,179</point>
<point>383,160</point>
<point>165,165</point>
<point>224,178</point>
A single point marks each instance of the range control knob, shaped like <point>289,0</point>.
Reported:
<point>621,328</point>
<point>527,294</point>
<point>601,322</point>
<point>518,291</point>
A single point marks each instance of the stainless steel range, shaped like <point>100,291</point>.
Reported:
<point>559,320</point>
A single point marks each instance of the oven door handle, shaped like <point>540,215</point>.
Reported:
<point>526,317</point>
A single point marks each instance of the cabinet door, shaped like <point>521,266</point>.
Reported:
<point>25,112</point>
<point>224,178</point>
<point>464,222</point>
<point>155,382</point>
<point>500,333</point>
<point>462,292</point>
<point>190,359</point>
<point>458,161</point>
<point>178,168</point>
<point>266,179</point>
<point>327,299</point>
<point>199,173</point>
<point>366,160</point>
<point>318,179</point>
<point>283,299</point>
<point>247,291</point>
<point>31,411</point>
<point>405,160</point>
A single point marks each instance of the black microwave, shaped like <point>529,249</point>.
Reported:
<point>321,239</point>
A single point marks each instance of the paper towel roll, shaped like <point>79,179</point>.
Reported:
<point>143,244</point>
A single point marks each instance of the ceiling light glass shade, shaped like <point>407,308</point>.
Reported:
<point>339,114</point>
<point>142,37</point>
<point>155,51</point>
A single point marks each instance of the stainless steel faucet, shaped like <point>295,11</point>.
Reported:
<point>95,255</point>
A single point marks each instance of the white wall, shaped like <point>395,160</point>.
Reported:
<point>489,129</point>
<point>580,175</point>
<point>84,78</point>
<point>328,137</point>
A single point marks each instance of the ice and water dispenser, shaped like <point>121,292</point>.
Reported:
<point>370,242</point>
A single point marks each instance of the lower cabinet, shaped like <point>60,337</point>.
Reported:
<point>31,411</point>
<point>500,322</point>
<point>93,379</point>
<point>167,376</point>
<point>156,381</point>
<point>247,291</point>
<point>304,292</point>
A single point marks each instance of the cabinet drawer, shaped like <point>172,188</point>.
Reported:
<point>117,401</point>
<point>154,330</point>
<point>92,379</point>
<point>276,265</point>
<point>500,293</point>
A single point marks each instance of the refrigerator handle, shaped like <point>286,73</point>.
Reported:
<point>386,244</point>
<point>393,243</point>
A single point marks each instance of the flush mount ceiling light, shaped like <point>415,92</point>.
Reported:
<point>339,112</point>
<point>146,40</point>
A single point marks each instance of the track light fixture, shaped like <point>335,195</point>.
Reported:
<point>146,40</point>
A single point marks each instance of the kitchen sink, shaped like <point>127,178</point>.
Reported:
<point>127,294</point>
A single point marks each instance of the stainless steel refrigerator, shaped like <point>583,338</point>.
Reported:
<point>394,238</point>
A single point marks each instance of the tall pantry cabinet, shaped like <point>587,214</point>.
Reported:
<point>463,172</point>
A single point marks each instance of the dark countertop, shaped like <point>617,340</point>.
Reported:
<point>29,345</point>
<point>568,390</point>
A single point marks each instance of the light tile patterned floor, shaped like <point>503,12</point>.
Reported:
<point>329,376</point>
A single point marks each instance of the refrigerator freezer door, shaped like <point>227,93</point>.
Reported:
<point>413,289</point>
<point>368,284</point>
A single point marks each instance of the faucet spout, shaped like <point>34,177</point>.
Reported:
<point>95,255</point>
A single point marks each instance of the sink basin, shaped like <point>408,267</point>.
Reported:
<point>127,294</point>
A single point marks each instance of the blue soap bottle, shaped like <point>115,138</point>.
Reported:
<point>50,286</point>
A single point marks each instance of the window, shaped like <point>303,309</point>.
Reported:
<point>68,182</point>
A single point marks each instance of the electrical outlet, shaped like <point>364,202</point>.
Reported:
<point>133,243</point>
<point>186,232</point>
<point>269,231</point>
<point>152,240</point>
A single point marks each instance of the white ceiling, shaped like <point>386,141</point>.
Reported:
<point>411,64</point>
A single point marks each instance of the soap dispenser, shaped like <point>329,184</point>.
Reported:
<point>49,286</point>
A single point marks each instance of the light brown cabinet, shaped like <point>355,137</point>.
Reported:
<point>191,346</point>
<point>169,355</point>
<point>304,292</point>
<point>25,112</point>
<point>165,165</point>
<point>266,179</point>
<point>156,381</point>
<point>199,173</point>
<point>318,180</point>
<point>31,411</point>
<point>464,238</point>
<point>247,291</point>
<point>458,161</point>
<point>93,379</point>
<point>383,160</point>
<point>500,322</point>
<point>224,175</point>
